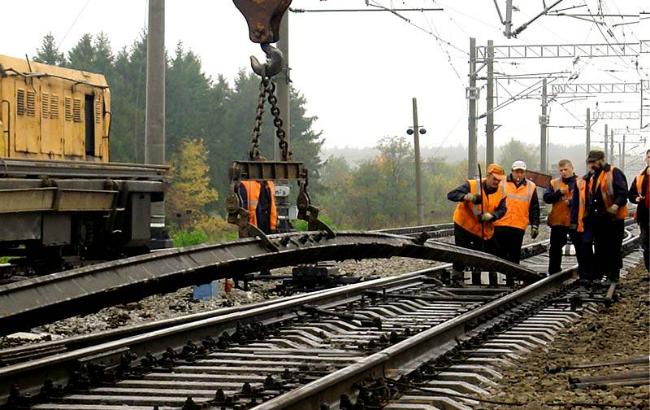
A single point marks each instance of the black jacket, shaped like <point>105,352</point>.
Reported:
<point>595,206</point>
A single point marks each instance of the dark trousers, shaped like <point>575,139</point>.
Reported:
<point>606,257</point>
<point>509,242</point>
<point>467,240</point>
<point>559,236</point>
<point>644,244</point>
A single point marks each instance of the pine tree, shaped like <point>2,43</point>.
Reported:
<point>49,52</point>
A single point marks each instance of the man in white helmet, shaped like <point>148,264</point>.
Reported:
<point>522,207</point>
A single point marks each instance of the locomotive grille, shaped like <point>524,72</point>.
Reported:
<point>54,107</point>
<point>45,106</point>
<point>77,110</point>
<point>98,110</point>
<point>20,102</point>
<point>31,103</point>
<point>68,109</point>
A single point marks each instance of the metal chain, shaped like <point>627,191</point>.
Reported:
<point>267,92</point>
<point>277,121</point>
<point>254,152</point>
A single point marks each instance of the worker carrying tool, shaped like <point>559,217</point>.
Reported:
<point>640,195</point>
<point>559,194</point>
<point>522,210</point>
<point>599,210</point>
<point>480,204</point>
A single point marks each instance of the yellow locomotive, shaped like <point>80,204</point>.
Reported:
<point>59,194</point>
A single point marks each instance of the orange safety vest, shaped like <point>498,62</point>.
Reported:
<point>518,203</point>
<point>466,213</point>
<point>582,199</point>
<point>560,213</point>
<point>253,189</point>
<point>606,183</point>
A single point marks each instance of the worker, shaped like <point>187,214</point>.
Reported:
<point>560,194</point>
<point>523,210</point>
<point>599,211</point>
<point>258,198</point>
<point>640,195</point>
<point>479,206</point>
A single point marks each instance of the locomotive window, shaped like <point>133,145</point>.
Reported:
<point>45,106</point>
<point>77,110</point>
<point>68,109</point>
<point>54,107</point>
<point>20,102</point>
<point>31,103</point>
<point>90,126</point>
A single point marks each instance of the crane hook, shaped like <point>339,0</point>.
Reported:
<point>273,64</point>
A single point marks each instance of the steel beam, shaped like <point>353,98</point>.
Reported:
<point>567,50</point>
<point>598,88</point>
<point>32,302</point>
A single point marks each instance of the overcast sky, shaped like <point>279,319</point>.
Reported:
<point>359,71</point>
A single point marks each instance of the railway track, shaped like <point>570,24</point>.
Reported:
<point>327,342</point>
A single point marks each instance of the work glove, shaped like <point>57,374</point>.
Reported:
<point>534,231</point>
<point>573,227</point>
<point>639,199</point>
<point>486,217</point>
<point>473,198</point>
<point>613,209</point>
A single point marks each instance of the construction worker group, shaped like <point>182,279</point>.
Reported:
<point>493,214</point>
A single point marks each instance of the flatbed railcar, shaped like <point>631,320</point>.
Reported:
<point>60,196</point>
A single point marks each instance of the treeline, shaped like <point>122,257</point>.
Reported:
<point>198,107</point>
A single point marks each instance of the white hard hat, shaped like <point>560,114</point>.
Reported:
<point>519,165</point>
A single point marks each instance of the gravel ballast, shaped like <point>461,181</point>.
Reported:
<point>615,333</point>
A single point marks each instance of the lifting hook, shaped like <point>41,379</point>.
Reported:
<point>273,64</point>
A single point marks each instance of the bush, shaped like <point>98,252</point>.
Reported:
<point>188,238</point>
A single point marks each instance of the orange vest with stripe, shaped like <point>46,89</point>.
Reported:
<point>253,189</point>
<point>518,203</point>
<point>466,213</point>
<point>639,190</point>
<point>582,195</point>
<point>606,183</point>
<point>560,214</point>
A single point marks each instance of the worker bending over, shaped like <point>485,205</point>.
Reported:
<point>560,194</point>
<point>522,210</point>
<point>640,195</point>
<point>479,206</point>
<point>599,211</point>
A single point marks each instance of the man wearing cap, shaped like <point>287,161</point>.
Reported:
<point>640,195</point>
<point>523,210</point>
<point>559,194</point>
<point>479,205</point>
<point>599,211</point>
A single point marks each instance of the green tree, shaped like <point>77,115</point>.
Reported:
<point>49,53</point>
<point>190,193</point>
<point>518,151</point>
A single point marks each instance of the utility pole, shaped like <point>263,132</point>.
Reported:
<point>489,126</point>
<point>154,134</point>
<point>282,92</point>
<point>508,22</point>
<point>543,121</point>
<point>416,131</point>
<point>283,82</point>
<point>472,95</point>
<point>588,126</point>
<point>606,135</point>
<point>611,145</point>
<point>622,155</point>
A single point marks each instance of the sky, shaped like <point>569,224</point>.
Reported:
<point>359,71</point>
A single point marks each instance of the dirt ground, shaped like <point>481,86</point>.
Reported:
<point>620,332</point>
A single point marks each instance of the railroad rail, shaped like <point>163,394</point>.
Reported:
<point>35,301</point>
<point>264,351</point>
